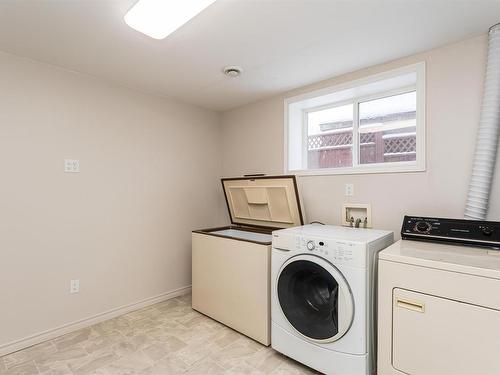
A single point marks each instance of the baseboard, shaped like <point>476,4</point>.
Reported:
<point>83,323</point>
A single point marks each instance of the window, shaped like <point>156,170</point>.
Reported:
<point>376,124</point>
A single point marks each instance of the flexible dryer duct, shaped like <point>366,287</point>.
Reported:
<point>487,136</point>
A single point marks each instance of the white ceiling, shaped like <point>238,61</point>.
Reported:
<point>281,44</point>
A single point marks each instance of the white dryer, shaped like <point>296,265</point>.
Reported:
<point>323,296</point>
<point>439,303</point>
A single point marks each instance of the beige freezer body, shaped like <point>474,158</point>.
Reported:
<point>231,283</point>
<point>232,265</point>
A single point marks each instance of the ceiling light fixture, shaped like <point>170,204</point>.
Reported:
<point>160,18</point>
<point>232,71</point>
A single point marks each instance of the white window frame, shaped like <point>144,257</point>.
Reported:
<point>419,165</point>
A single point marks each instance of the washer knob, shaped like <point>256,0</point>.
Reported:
<point>310,245</point>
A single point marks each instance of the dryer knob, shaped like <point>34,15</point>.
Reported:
<point>487,231</point>
<point>422,227</point>
<point>310,245</point>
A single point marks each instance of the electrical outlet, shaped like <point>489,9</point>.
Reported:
<point>71,166</point>
<point>349,190</point>
<point>74,286</point>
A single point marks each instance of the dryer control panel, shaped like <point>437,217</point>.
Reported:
<point>459,231</point>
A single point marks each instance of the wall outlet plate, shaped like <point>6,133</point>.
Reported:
<point>357,211</point>
<point>349,190</point>
<point>71,166</point>
<point>74,286</point>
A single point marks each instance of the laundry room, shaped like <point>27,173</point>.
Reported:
<point>249,187</point>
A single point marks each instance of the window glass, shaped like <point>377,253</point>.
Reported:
<point>369,125</point>
<point>329,137</point>
<point>388,129</point>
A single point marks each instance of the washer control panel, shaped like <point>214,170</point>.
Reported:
<point>336,251</point>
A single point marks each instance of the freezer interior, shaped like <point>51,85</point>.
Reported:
<point>244,235</point>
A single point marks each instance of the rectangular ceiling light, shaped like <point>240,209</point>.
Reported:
<point>160,18</point>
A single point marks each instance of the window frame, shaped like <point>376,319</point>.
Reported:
<point>419,165</point>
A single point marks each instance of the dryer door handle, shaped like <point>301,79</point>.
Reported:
<point>410,305</point>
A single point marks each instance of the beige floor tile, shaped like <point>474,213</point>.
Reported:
<point>156,352</point>
<point>74,338</point>
<point>146,324</point>
<point>194,353</point>
<point>125,348</point>
<point>61,358</point>
<point>163,339</point>
<point>290,367</point>
<point>27,368</point>
<point>192,321</point>
<point>141,341</point>
<point>167,366</point>
<point>115,324</point>
<point>103,343</point>
<point>235,354</point>
<point>226,337</point>
<point>135,315</point>
<point>167,347</point>
<point>58,369</point>
<point>206,367</point>
<point>93,363</point>
<point>100,371</point>
<point>243,369</point>
<point>132,331</point>
<point>165,331</point>
<point>180,313</point>
<point>186,299</point>
<point>129,365</point>
<point>167,305</point>
<point>266,360</point>
<point>29,354</point>
<point>194,335</point>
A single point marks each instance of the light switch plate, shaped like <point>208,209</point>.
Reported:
<point>71,166</point>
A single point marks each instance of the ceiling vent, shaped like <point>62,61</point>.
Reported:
<point>232,71</point>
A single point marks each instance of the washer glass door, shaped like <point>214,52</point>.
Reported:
<point>315,298</point>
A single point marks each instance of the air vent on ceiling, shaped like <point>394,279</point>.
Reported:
<point>232,71</point>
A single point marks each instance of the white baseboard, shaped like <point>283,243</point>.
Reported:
<point>70,327</point>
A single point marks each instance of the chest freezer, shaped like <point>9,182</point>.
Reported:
<point>231,265</point>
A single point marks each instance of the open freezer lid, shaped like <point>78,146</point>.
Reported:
<point>263,201</point>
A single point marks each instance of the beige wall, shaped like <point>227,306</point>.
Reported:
<point>150,172</point>
<point>149,175</point>
<point>253,142</point>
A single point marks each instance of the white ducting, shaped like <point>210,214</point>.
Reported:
<point>487,136</point>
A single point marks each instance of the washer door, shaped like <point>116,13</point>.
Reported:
<point>315,298</point>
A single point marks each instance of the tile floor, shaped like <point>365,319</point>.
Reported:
<point>166,338</point>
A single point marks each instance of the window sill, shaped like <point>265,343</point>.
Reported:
<point>366,169</point>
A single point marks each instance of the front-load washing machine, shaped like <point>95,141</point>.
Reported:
<point>323,296</point>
